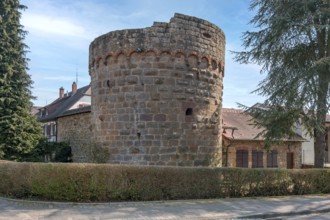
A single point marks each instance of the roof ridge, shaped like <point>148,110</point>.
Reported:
<point>232,110</point>
<point>68,101</point>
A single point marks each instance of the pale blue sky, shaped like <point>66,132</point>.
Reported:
<point>60,32</point>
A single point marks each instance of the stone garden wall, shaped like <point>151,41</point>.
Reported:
<point>77,131</point>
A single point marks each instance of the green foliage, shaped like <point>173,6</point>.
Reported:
<point>19,130</point>
<point>53,151</point>
<point>105,182</point>
<point>292,43</point>
<point>97,153</point>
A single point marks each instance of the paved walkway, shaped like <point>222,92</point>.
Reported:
<point>255,208</point>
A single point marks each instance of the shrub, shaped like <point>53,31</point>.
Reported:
<point>97,153</point>
<point>53,151</point>
<point>15,179</point>
<point>105,182</point>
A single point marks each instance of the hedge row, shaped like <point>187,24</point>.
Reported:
<point>104,182</point>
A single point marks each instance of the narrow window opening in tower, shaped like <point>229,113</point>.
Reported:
<point>189,111</point>
<point>207,35</point>
<point>138,135</point>
<point>108,83</point>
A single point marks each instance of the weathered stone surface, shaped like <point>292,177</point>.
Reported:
<point>146,117</point>
<point>76,130</point>
<point>160,117</point>
<point>165,85</point>
<point>132,79</point>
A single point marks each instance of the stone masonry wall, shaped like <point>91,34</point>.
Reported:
<point>157,93</point>
<point>77,131</point>
<point>287,147</point>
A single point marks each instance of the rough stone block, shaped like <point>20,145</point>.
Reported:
<point>132,79</point>
<point>134,150</point>
<point>201,163</point>
<point>129,97</point>
<point>165,157</point>
<point>125,132</point>
<point>177,90</point>
<point>151,72</point>
<point>183,149</point>
<point>186,163</point>
<point>138,88</point>
<point>155,96</point>
<point>168,150</point>
<point>160,117</point>
<point>136,71</point>
<point>164,88</point>
<point>146,143</point>
<point>182,82</point>
<point>146,117</point>
<point>142,97</point>
<point>159,81</point>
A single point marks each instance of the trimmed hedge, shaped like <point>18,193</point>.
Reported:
<point>105,182</point>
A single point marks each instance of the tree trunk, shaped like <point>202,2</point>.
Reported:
<point>321,114</point>
<point>321,102</point>
<point>319,149</point>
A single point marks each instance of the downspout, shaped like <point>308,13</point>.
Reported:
<point>227,152</point>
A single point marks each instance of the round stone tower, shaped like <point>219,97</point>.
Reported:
<point>157,93</point>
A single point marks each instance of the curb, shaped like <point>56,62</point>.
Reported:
<point>77,204</point>
<point>279,214</point>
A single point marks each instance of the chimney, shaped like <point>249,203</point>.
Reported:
<point>61,92</point>
<point>74,87</point>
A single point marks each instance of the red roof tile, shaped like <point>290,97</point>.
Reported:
<point>240,126</point>
<point>241,123</point>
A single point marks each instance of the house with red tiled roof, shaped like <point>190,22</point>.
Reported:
<point>74,102</point>
<point>243,147</point>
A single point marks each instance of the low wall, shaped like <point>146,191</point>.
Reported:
<point>77,131</point>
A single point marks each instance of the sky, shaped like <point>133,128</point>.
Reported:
<point>60,31</point>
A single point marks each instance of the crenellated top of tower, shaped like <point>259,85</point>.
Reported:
<point>185,34</point>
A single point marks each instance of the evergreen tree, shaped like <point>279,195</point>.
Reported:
<point>292,43</point>
<point>19,130</point>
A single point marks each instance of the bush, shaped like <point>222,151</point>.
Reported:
<point>97,153</point>
<point>105,182</point>
<point>49,152</point>
<point>15,179</point>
